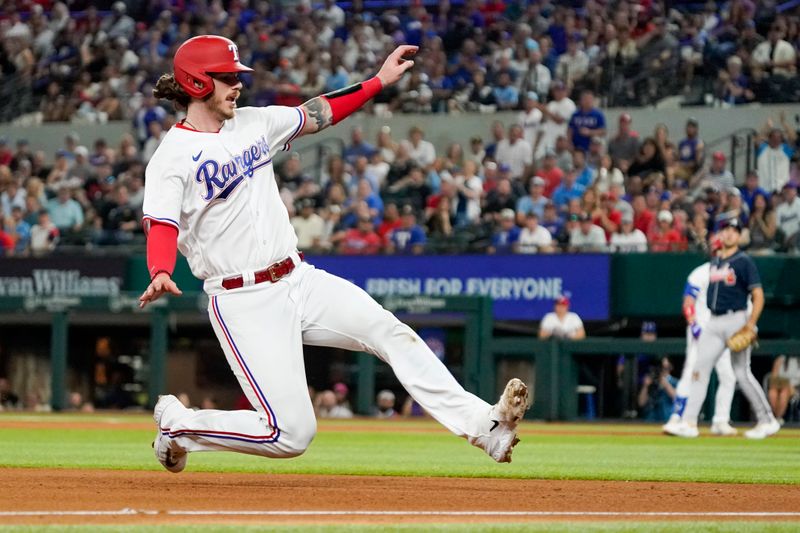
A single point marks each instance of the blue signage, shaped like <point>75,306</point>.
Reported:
<point>523,287</point>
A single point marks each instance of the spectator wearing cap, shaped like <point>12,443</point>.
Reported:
<point>773,159</point>
<point>551,173</point>
<point>507,234</point>
<point>534,238</point>
<point>534,202</point>
<point>421,152</point>
<point>44,234</point>
<point>751,189</point>
<point>624,146</point>
<point>587,122</point>
<point>358,146</point>
<point>587,237</point>
<point>569,189</point>
<point>515,152</point>
<point>361,240</point>
<point>718,173</point>
<point>308,225</point>
<point>788,217</point>
<point>553,222</point>
<point>409,238</point>
<point>390,222</point>
<point>691,151</point>
<point>628,238</point>
<point>561,323</point>
<point>763,226</point>
<point>66,213</point>
<point>664,237</point>
<point>81,167</point>
<point>530,118</point>
<point>557,114</point>
<point>538,77</point>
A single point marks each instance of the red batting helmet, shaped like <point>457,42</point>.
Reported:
<point>202,55</point>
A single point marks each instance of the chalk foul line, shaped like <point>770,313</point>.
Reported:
<point>323,512</point>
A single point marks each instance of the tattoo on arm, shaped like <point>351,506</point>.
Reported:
<point>319,112</point>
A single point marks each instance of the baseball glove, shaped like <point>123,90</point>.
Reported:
<point>742,339</point>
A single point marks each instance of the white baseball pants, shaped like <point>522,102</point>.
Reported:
<point>262,329</point>
<point>725,375</point>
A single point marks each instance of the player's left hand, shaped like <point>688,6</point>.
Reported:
<point>395,66</point>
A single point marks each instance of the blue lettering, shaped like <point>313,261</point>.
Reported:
<point>225,177</point>
<point>207,174</point>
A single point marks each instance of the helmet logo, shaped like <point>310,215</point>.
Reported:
<point>235,51</point>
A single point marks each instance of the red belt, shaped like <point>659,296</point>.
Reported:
<point>272,273</point>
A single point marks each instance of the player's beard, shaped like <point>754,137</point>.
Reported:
<point>221,107</point>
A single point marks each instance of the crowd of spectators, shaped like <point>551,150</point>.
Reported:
<point>91,64</point>
<point>593,188</point>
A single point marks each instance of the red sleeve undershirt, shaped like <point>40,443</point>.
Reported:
<point>162,248</point>
<point>347,101</point>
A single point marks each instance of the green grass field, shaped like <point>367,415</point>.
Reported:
<point>423,448</point>
<point>547,451</point>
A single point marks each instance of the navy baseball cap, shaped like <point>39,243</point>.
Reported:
<point>731,222</point>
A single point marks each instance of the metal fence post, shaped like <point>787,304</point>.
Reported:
<point>158,354</point>
<point>58,359</point>
<point>366,383</point>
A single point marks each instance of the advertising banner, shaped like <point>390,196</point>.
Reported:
<point>523,287</point>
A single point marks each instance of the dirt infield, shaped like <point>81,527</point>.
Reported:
<point>45,496</point>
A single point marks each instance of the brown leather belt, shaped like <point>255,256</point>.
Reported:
<point>272,273</point>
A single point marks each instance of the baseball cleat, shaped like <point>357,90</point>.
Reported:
<point>500,436</point>
<point>763,430</point>
<point>673,421</point>
<point>723,429</point>
<point>167,451</point>
<point>682,429</point>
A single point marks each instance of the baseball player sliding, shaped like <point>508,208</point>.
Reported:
<point>732,278</point>
<point>211,193</point>
<point>695,309</point>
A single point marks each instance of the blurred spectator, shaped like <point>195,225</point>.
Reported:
<point>788,217</point>
<point>628,238</point>
<point>664,237</point>
<point>534,238</point>
<point>412,189</point>
<point>773,159</point>
<point>470,185</point>
<point>308,226</point>
<point>409,237</point>
<point>533,202</point>
<point>530,118</point>
<point>568,190</point>
<point>505,238</point>
<point>751,189</point>
<point>538,76</point>
<point>120,219</point>
<point>691,151</point>
<point>557,114</point>
<point>561,323</point>
<point>551,173</point>
<point>515,152</point>
<point>506,95</point>
<point>717,174</point>
<point>572,65</point>
<point>361,240</point>
<point>501,197</point>
<point>775,56</point>
<point>552,221</point>
<point>587,122</point>
<point>763,226</point>
<point>783,382</point>
<point>587,237</point>
<point>385,401</point>
<point>20,231</point>
<point>585,174</point>
<point>358,147</point>
<point>606,214</point>
<point>733,86</point>
<point>44,234</point>
<point>657,392</point>
<point>649,160</point>
<point>420,151</point>
<point>8,398</point>
<point>342,403</point>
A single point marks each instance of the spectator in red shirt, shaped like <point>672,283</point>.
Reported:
<point>361,240</point>
<point>391,221</point>
<point>606,216</point>
<point>643,217</point>
<point>664,237</point>
<point>550,172</point>
<point>6,242</point>
<point>6,155</point>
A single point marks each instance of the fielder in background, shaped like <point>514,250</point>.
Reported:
<point>732,278</point>
<point>695,309</point>
<point>211,192</point>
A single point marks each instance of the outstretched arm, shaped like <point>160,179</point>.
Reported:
<point>331,108</point>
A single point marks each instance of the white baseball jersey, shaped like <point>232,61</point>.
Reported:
<point>561,328</point>
<point>219,190</point>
